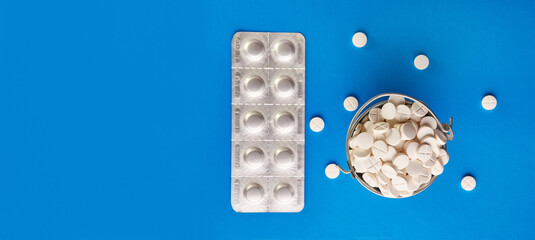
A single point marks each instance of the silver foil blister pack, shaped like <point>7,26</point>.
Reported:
<point>268,108</point>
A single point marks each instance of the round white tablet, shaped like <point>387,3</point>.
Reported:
<point>380,127</point>
<point>437,169</point>
<point>332,171</point>
<point>407,131</point>
<point>368,127</point>
<point>396,100</point>
<point>489,102</point>
<point>375,115</point>
<point>379,149</point>
<point>253,192</point>
<point>388,111</point>
<point>393,190</point>
<point>412,185</point>
<point>360,39</point>
<point>415,167</point>
<point>441,137</point>
<point>424,177</point>
<point>364,140</point>
<point>372,164</point>
<point>351,103</point>
<point>430,162</point>
<point>284,192</point>
<point>412,149</point>
<point>370,179</point>
<point>393,137</point>
<point>399,183</point>
<point>425,131</point>
<point>418,109</point>
<point>431,141</point>
<point>361,154</point>
<point>421,62</point>
<point>401,161</point>
<point>317,124</point>
<point>443,156</point>
<point>403,113</point>
<point>389,170</point>
<point>390,154</point>
<point>359,165</point>
<point>429,121</point>
<point>468,183</point>
<point>424,152</point>
<point>382,179</point>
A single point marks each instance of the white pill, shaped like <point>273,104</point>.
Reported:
<point>388,111</point>
<point>370,179</point>
<point>411,184</point>
<point>415,167</point>
<point>364,140</point>
<point>384,190</point>
<point>359,165</point>
<point>401,161</point>
<point>430,162</point>
<point>418,109</point>
<point>424,152</point>
<point>415,118</point>
<point>441,137</point>
<point>489,102</point>
<point>332,171</point>
<point>375,115</point>
<point>361,154</point>
<point>382,179</point>
<point>380,127</point>
<point>407,131</point>
<point>403,113</point>
<point>317,124</point>
<point>424,177</point>
<point>393,137</point>
<point>372,164</point>
<point>357,129</point>
<point>400,145</point>
<point>406,193</point>
<point>393,190</point>
<point>421,62</point>
<point>351,103</point>
<point>399,183</point>
<point>468,183</point>
<point>379,149</point>
<point>412,149</point>
<point>425,131</point>
<point>437,169</point>
<point>389,170</point>
<point>396,100</point>
<point>360,39</point>
<point>429,121</point>
<point>368,127</point>
<point>443,156</point>
<point>253,192</point>
<point>353,142</point>
<point>390,154</point>
<point>431,141</point>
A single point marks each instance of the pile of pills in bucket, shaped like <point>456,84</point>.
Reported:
<point>398,148</point>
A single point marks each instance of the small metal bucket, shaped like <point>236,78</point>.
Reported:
<point>363,112</point>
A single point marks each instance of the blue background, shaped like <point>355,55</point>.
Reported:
<point>115,117</point>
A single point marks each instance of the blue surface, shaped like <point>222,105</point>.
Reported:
<point>115,117</point>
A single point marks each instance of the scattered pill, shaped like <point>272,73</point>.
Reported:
<point>425,131</point>
<point>401,161</point>
<point>379,149</point>
<point>351,103</point>
<point>489,102</point>
<point>390,154</point>
<point>419,110</point>
<point>407,131</point>
<point>332,171</point>
<point>389,170</point>
<point>380,127</point>
<point>412,149</point>
<point>403,113</point>
<point>393,137</point>
<point>317,124</point>
<point>372,164</point>
<point>421,62</point>
<point>360,39</point>
<point>388,111</point>
<point>361,154</point>
<point>424,152</point>
<point>415,167</point>
<point>468,183</point>
<point>382,179</point>
<point>437,168</point>
<point>443,156</point>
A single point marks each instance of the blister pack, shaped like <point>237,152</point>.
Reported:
<point>268,108</point>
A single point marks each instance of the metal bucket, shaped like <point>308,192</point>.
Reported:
<point>444,128</point>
